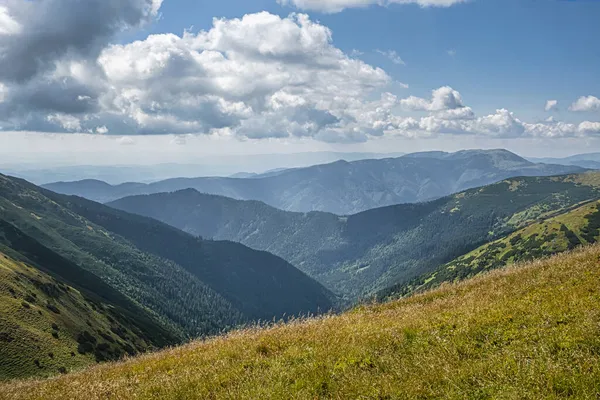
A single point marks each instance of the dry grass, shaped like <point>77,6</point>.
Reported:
<point>528,332</point>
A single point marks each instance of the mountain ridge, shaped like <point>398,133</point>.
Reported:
<point>346,187</point>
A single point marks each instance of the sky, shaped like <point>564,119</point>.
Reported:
<point>144,81</point>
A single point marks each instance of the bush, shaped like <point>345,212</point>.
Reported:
<point>53,308</point>
<point>85,348</point>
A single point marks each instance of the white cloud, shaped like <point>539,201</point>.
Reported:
<point>588,127</point>
<point>451,52</point>
<point>551,105</point>
<point>589,103</point>
<point>126,141</point>
<point>35,35</point>
<point>3,92</point>
<point>334,6</point>
<point>448,115</point>
<point>68,122</point>
<point>444,98</point>
<point>393,56</point>
<point>8,26</point>
<point>259,76</point>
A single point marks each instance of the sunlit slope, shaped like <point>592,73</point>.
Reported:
<point>48,327</point>
<point>548,236</point>
<point>530,332</point>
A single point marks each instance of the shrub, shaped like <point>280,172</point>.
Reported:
<point>53,308</point>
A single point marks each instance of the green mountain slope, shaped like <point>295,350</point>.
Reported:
<point>48,327</point>
<point>524,333</point>
<point>367,252</point>
<point>345,187</point>
<point>194,287</point>
<point>555,234</point>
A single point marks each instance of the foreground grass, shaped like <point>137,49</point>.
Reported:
<point>527,332</point>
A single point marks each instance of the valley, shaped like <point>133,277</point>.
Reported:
<point>358,255</point>
<point>167,285</point>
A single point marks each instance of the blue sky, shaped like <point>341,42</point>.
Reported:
<point>400,77</point>
<point>509,53</point>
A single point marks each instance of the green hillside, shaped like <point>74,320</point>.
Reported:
<point>48,327</point>
<point>362,254</point>
<point>165,285</point>
<point>553,235</point>
<point>524,333</point>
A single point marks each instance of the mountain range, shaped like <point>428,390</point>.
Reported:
<point>367,252</point>
<point>83,282</point>
<point>344,187</point>
<point>203,165</point>
<point>587,160</point>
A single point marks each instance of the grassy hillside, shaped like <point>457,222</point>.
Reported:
<point>529,332</point>
<point>48,327</point>
<point>547,236</point>
<point>194,287</point>
<point>367,252</point>
<point>345,187</point>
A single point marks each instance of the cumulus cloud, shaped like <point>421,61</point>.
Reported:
<point>68,122</point>
<point>551,105</point>
<point>444,98</point>
<point>8,26</point>
<point>334,6</point>
<point>126,141</point>
<point>588,127</point>
<point>48,51</point>
<point>259,76</point>
<point>36,34</point>
<point>589,103</point>
<point>449,115</point>
<point>393,56</point>
<point>256,76</point>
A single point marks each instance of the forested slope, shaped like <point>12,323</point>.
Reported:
<point>370,251</point>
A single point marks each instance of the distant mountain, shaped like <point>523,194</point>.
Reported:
<point>251,175</point>
<point>345,187</point>
<point>588,160</point>
<point>167,284</point>
<point>205,165</point>
<point>367,252</point>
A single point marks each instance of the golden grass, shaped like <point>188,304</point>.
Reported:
<point>528,332</point>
